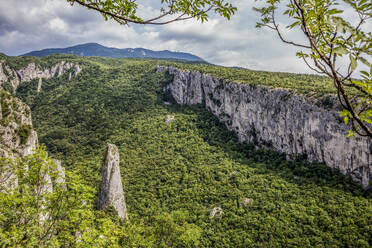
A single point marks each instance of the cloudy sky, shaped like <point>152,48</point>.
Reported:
<point>27,25</point>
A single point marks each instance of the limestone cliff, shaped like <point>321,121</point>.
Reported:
<point>111,192</point>
<point>61,173</point>
<point>34,71</point>
<point>278,119</point>
<point>16,134</point>
<point>18,139</point>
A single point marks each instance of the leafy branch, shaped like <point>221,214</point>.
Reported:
<point>125,11</point>
<point>330,36</point>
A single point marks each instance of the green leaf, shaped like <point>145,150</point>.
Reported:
<point>364,73</point>
<point>340,28</point>
<point>366,62</point>
<point>346,120</point>
<point>368,121</point>
<point>340,50</point>
<point>294,24</point>
<point>353,62</point>
<point>351,134</point>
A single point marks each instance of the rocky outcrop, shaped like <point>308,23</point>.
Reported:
<point>34,71</point>
<point>16,133</point>
<point>277,119</point>
<point>60,178</point>
<point>111,192</point>
<point>215,212</point>
<point>17,138</point>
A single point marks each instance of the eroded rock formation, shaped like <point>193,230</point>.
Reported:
<point>216,211</point>
<point>278,119</point>
<point>111,192</point>
<point>18,139</point>
<point>16,133</point>
<point>60,180</point>
<point>34,71</point>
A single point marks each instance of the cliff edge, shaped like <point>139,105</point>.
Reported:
<point>277,119</point>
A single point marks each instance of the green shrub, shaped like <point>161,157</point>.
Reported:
<point>24,132</point>
<point>8,87</point>
<point>5,108</point>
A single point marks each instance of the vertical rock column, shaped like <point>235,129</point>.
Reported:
<point>111,192</point>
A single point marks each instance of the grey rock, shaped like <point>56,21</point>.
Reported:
<point>215,212</point>
<point>77,70</point>
<point>33,71</point>
<point>30,145</point>
<point>60,180</point>
<point>8,179</point>
<point>169,118</point>
<point>39,85</point>
<point>45,188</point>
<point>277,119</point>
<point>18,116</point>
<point>245,202</point>
<point>12,145</point>
<point>111,192</point>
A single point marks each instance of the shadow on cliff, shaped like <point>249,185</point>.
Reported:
<point>267,161</point>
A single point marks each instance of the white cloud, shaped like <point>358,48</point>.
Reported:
<point>57,24</point>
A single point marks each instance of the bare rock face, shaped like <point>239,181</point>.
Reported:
<point>16,133</point>
<point>111,192</point>
<point>277,119</point>
<point>17,137</point>
<point>39,85</point>
<point>45,188</point>
<point>60,180</point>
<point>215,212</point>
<point>33,71</point>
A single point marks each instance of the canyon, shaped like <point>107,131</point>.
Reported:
<point>276,119</point>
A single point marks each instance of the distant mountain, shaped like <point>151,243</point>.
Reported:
<point>94,49</point>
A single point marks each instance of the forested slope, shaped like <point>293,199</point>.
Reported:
<point>174,173</point>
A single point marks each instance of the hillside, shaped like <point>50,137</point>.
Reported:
<point>94,49</point>
<point>176,172</point>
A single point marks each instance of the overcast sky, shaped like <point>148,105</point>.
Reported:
<point>27,25</point>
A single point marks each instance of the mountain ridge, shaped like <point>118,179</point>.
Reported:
<point>95,49</point>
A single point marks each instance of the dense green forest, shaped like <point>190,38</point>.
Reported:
<point>175,173</point>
